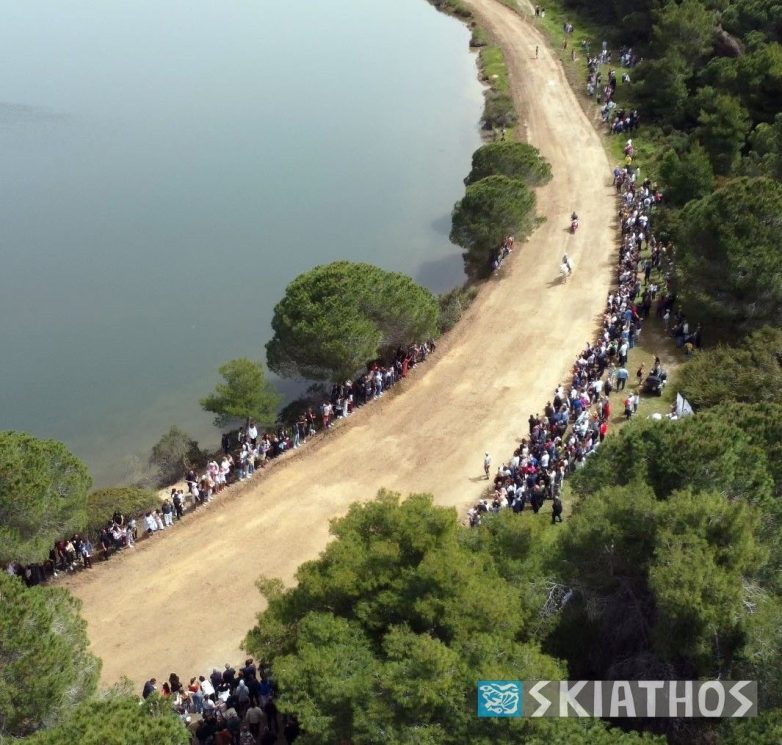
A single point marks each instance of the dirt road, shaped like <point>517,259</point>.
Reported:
<point>183,601</point>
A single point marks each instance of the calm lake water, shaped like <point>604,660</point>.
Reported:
<point>168,167</point>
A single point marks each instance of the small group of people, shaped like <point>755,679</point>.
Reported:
<point>628,58</point>
<point>502,253</point>
<point>688,338</point>
<point>65,556</point>
<point>619,120</point>
<point>71,554</point>
<point>229,706</point>
<point>68,555</point>
<point>172,509</point>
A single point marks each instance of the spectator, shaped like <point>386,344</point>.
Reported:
<point>149,688</point>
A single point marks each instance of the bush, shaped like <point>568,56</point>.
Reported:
<point>687,176</point>
<point>729,256</point>
<point>454,7</point>
<point>748,373</point>
<point>491,210</point>
<point>174,455</point>
<point>452,305</point>
<point>43,495</point>
<point>46,668</point>
<point>498,111</point>
<point>245,394</point>
<point>516,160</point>
<point>129,500</point>
<point>313,397</point>
<point>479,38</point>
<point>118,718</point>
<point>333,319</point>
<point>710,451</point>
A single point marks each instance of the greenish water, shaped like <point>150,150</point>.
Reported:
<point>168,167</point>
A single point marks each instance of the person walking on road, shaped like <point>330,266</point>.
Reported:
<point>486,464</point>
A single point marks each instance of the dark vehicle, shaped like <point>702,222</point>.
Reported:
<point>655,382</point>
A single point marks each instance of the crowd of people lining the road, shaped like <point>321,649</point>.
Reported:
<point>576,419</point>
<point>229,706</point>
<point>244,451</point>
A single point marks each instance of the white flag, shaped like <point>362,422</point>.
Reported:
<point>683,407</point>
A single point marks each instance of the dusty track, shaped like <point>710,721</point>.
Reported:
<point>184,600</point>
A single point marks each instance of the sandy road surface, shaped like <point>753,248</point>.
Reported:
<point>184,600</point>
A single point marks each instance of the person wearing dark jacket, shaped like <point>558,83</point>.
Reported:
<point>149,688</point>
<point>556,511</point>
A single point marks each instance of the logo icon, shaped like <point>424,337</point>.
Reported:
<point>499,698</point>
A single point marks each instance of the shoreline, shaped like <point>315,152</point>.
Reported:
<point>487,135</point>
<point>415,193</point>
<point>429,440</point>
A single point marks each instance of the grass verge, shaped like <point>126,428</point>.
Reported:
<point>499,113</point>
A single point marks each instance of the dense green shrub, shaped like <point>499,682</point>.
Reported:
<point>335,318</point>
<point>516,160</point>
<point>43,495</point>
<point>750,372</point>
<point>499,111</point>
<point>129,500</point>
<point>491,210</point>
<point>174,454</point>
<point>452,305</point>
<point>46,666</point>
<point>729,256</point>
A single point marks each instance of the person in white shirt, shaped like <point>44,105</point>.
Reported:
<point>486,464</point>
<point>206,688</point>
<point>131,532</point>
<point>150,523</point>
